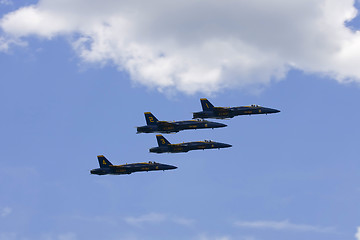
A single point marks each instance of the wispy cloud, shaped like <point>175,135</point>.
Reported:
<point>204,236</point>
<point>106,220</point>
<point>6,2</point>
<point>67,236</point>
<point>147,218</point>
<point>155,218</point>
<point>138,221</point>
<point>8,236</point>
<point>183,221</point>
<point>43,236</point>
<point>283,225</point>
<point>5,43</point>
<point>6,211</point>
<point>357,235</point>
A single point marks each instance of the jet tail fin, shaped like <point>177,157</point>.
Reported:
<point>162,141</point>
<point>206,105</point>
<point>150,118</point>
<point>103,162</point>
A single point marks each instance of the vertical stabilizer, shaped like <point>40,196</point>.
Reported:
<point>206,105</point>
<point>150,118</point>
<point>162,141</point>
<point>103,162</point>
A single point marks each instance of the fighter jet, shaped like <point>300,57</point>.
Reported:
<point>107,168</point>
<point>154,125</point>
<point>166,146</point>
<point>209,111</point>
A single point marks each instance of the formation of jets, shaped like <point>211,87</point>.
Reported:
<point>153,125</point>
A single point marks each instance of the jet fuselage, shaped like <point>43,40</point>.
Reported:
<point>222,112</point>
<point>171,127</point>
<point>130,168</point>
<point>188,146</point>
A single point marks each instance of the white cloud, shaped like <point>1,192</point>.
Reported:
<point>357,235</point>
<point>155,218</point>
<point>282,225</point>
<point>6,211</point>
<point>201,46</point>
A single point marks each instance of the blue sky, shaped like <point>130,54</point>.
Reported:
<point>292,175</point>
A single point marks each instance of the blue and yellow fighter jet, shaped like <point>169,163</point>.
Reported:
<point>166,146</point>
<point>107,168</point>
<point>154,125</point>
<point>209,111</point>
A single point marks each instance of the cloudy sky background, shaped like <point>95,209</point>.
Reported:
<point>78,75</point>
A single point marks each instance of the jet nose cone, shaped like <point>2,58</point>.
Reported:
<point>169,167</point>
<point>271,110</point>
<point>223,145</point>
<point>221,125</point>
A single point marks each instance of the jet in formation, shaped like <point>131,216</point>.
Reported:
<point>166,146</point>
<point>107,168</point>
<point>154,125</point>
<point>209,111</point>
